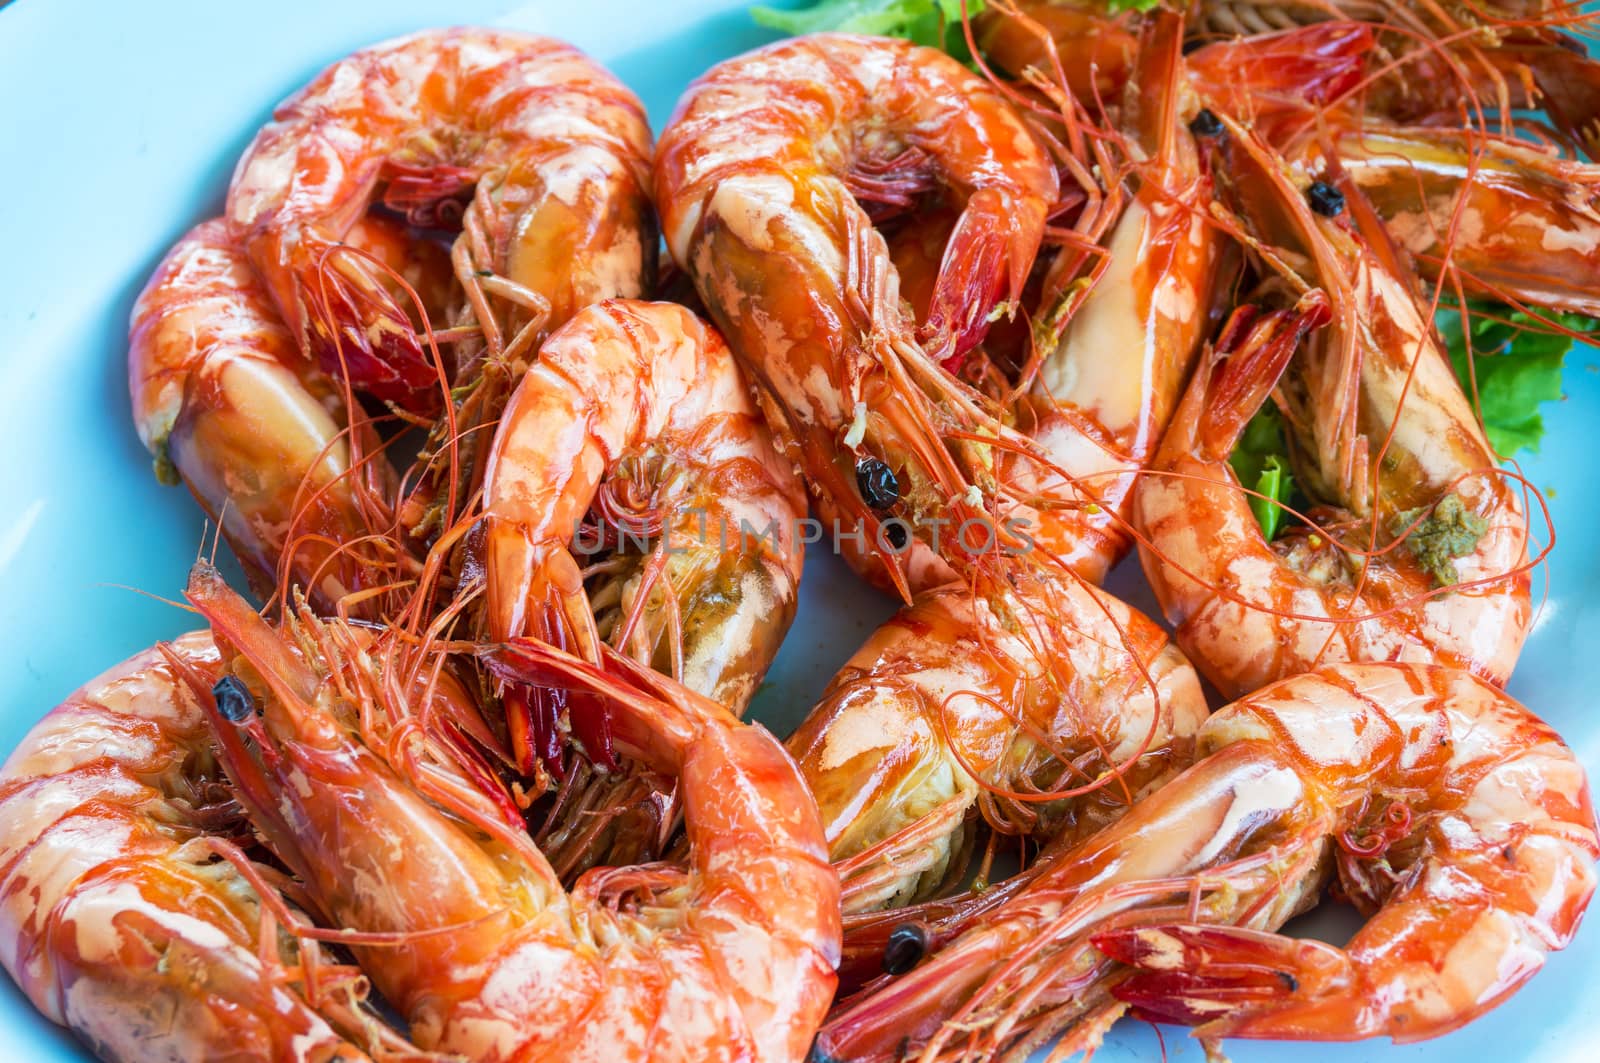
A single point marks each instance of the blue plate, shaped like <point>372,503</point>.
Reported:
<point>120,124</point>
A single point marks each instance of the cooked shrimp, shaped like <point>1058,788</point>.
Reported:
<point>1512,219</point>
<point>552,149</point>
<point>459,920</point>
<point>1462,827</point>
<point>758,178</point>
<point>1513,222</point>
<point>1024,691</point>
<point>1457,821</point>
<point>1421,553</point>
<point>1052,709</point>
<point>1095,49</point>
<point>642,406</point>
<point>118,919</point>
<point>1111,372</point>
<point>1447,60</point>
<point>224,402</point>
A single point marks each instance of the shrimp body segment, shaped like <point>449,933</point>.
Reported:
<point>1429,563</point>
<point>223,401</point>
<point>639,410</point>
<point>463,925</point>
<point>758,177</point>
<point>552,150</point>
<point>116,918</point>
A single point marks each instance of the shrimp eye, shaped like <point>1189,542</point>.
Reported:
<point>1206,124</point>
<point>879,486</point>
<point>908,943</point>
<point>1325,199</point>
<point>894,530</point>
<point>234,699</point>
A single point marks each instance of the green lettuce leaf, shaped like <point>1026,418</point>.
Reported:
<point>1261,461</point>
<point>934,23</point>
<point>1516,361</point>
<point>1517,365</point>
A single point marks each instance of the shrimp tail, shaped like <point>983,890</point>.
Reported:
<point>361,335</point>
<point>533,721</point>
<point>589,687</point>
<point>1250,356</point>
<point>430,197</point>
<point>536,704</point>
<point>545,599</point>
<point>1238,982</point>
<point>981,277</point>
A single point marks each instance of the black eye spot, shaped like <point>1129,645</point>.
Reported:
<point>879,486</point>
<point>895,532</point>
<point>234,699</point>
<point>908,943</point>
<point>1206,124</point>
<point>1290,982</point>
<point>1325,199</point>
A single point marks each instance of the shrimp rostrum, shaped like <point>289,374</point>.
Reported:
<point>456,916</point>
<point>1418,547</point>
<point>1457,822</point>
